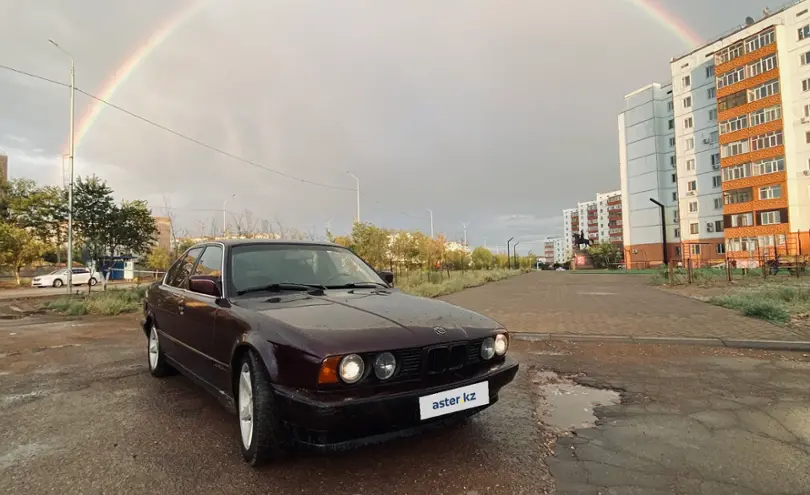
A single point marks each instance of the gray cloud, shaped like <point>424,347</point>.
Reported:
<point>499,113</point>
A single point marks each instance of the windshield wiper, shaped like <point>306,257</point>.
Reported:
<point>281,286</point>
<point>359,285</point>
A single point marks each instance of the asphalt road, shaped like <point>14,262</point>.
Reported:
<point>81,414</point>
<point>31,292</point>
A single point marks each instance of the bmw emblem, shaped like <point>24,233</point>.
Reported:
<point>439,330</point>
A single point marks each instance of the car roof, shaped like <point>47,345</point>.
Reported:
<point>245,242</point>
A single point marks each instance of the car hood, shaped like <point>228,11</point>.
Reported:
<point>366,320</point>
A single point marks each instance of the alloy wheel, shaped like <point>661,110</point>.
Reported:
<point>246,406</point>
<point>154,348</point>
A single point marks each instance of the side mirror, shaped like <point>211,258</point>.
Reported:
<point>388,277</point>
<point>204,286</point>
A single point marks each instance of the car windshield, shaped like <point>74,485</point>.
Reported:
<point>58,272</point>
<point>255,266</point>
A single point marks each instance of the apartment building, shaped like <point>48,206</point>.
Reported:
<point>609,207</point>
<point>589,220</point>
<point>553,250</point>
<point>648,169</point>
<point>570,227</point>
<point>742,112</point>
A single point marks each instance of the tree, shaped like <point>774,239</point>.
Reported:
<point>131,229</point>
<point>93,214</point>
<point>18,248</point>
<point>604,254</point>
<point>482,258</point>
<point>159,259</point>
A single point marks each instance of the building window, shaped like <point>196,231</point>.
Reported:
<point>769,218</point>
<point>670,106</point>
<point>713,137</point>
<point>770,88</point>
<point>687,80</point>
<point>804,32</point>
<point>710,71</point>
<point>768,140</point>
<point>769,166</point>
<point>671,124</point>
<point>718,203</point>
<point>691,186</point>
<point>764,64</point>
<point>758,41</point>
<point>737,196</point>
<point>689,143</point>
<point>806,85</point>
<point>731,77</point>
<point>675,196</point>
<point>732,101</point>
<point>672,160</point>
<point>727,54</point>
<point>687,123</point>
<point>672,142</point>
<point>677,248</point>
<point>716,181</point>
<point>737,172</point>
<point>712,114</point>
<point>694,228</point>
<point>742,220</point>
<point>690,164</point>
<point>674,177</point>
<point>766,115</point>
<point>718,225</point>
<point>735,124</point>
<point>720,248</point>
<point>734,148</point>
<point>694,249</point>
<point>807,110</point>
<point>693,207</point>
<point>687,102</point>
<point>770,192</point>
<point>677,232</point>
<point>805,58</point>
<point>807,137</point>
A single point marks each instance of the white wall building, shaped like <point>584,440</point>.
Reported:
<point>589,219</point>
<point>570,227</point>
<point>647,164</point>
<point>609,207</point>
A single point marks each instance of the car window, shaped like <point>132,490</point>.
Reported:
<point>179,273</point>
<point>264,264</point>
<point>210,265</point>
<point>80,270</point>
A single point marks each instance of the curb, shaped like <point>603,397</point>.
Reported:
<point>772,345</point>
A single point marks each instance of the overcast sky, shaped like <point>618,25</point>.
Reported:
<point>494,112</point>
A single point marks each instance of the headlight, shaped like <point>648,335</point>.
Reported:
<point>351,368</point>
<point>487,348</point>
<point>501,344</point>
<point>384,366</point>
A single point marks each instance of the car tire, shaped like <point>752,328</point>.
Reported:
<point>92,282</point>
<point>158,366</point>
<point>58,283</point>
<point>262,435</point>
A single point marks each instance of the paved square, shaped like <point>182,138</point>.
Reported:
<point>604,304</point>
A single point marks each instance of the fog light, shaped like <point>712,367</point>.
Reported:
<point>487,348</point>
<point>501,344</point>
<point>351,368</point>
<point>384,366</point>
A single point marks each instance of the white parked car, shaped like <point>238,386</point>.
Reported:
<point>58,278</point>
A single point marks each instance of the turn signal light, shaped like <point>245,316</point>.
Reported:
<point>328,373</point>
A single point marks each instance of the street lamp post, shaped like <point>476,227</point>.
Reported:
<point>514,254</point>
<point>431,221</point>
<point>224,212</point>
<point>357,181</point>
<point>70,167</point>
<point>508,258</point>
<point>464,225</point>
<point>663,231</point>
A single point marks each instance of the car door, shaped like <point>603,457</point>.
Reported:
<point>81,276</point>
<point>169,307</point>
<point>200,314</point>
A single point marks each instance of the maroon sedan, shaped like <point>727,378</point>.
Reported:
<point>309,345</point>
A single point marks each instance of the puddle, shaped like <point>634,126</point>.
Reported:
<point>565,405</point>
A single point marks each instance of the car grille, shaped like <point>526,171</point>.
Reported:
<point>416,363</point>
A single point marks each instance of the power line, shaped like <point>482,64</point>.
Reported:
<point>197,141</point>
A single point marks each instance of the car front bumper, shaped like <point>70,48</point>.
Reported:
<point>332,423</point>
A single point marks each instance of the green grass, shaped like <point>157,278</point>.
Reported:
<point>107,303</point>
<point>435,285</point>
<point>774,304</point>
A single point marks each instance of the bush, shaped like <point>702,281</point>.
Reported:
<point>437,286</point>
<point>108,303</point>
<point>755,306</point>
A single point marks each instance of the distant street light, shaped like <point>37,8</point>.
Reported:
<point>431,221</point>
<point>224,212</point>
<point>514,254</point>
<point>663,231</point>
<point>358,195</point>
<point>508,259</point>
<point>70,166</point>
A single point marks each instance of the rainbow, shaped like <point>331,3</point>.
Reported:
<point>117,79</point>
<point>669,21</point>
<point>651,7</point>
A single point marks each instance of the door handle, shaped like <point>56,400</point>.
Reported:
<point>181,308</point>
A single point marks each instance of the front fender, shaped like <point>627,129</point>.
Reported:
<point>285,365</point>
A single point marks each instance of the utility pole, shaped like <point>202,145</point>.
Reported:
<point>663,231</point>
<point>431,221</point>
<point>70,167</point>
<point>357,181</point>
<point>464,224</point>
<point>508,258</point>
<point>224,212</point>
<point>514,254</point>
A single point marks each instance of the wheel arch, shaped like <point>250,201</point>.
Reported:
<point>265,354</point>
